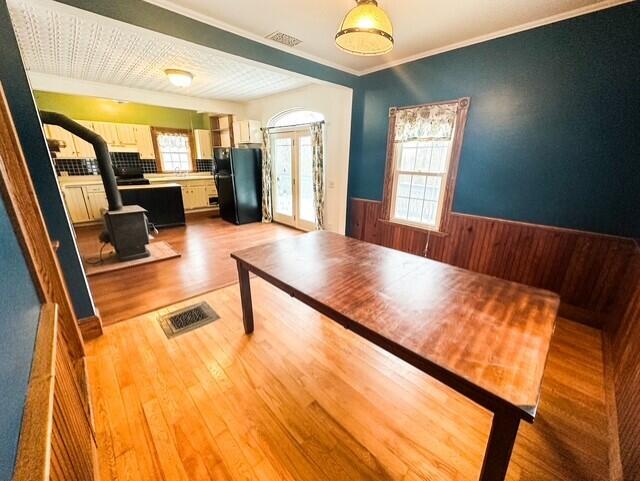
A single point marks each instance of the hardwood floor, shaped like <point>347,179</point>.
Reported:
<point>205,244</point>
<point>303,399</point>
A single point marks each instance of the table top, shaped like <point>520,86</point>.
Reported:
<point>467,329</point>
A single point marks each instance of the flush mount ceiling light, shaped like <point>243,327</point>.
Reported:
<point>366,30</point>
<point>179,78</point>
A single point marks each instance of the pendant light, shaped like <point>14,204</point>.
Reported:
<point>366,30</point>
<point>179,78</point>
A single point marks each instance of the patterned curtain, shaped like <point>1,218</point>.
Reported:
<point>267,168</point>
<point>318,172</point>
<point>427,122</point>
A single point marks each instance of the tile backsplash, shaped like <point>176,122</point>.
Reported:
<point>118,159</point>
<point>204,165</point>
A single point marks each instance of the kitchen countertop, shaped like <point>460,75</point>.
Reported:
<point>70,180</point>
<point>148,186</point>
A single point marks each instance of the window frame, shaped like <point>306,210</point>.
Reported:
<point>392,170</point>
<point>156,131</point>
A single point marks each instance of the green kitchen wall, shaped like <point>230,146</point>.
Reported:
<point>80,107</point>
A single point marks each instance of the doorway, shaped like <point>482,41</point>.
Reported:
<point>293,198</point>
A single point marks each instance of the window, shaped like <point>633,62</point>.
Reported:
<point>420,162</point>
<point>294,117</point>
<point>175,152</point>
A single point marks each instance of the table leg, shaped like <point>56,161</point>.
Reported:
<point>504,429</point>
<point>245,296</point>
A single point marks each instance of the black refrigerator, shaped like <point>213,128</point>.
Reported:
<point>238,176</point>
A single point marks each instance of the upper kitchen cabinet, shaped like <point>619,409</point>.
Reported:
<point>71,147</point>
<point>203,144</point>
<point>144,141</point>
<point>119,137</point>
<point>247,131</point>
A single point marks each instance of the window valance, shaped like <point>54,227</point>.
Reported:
<point>425,122</point>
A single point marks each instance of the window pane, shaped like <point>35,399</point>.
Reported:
<point>404,185</point>
<point>283,168</point>
<point>408,158</point>
<point>174,152</point>
<point>422,158</point>
<point>433,188</point>
<point>415,210</point>
<point>307,209</point>
<point>417,186</point>
<point>439,156</point>
<point>402,206</point>
<point>429,212</point>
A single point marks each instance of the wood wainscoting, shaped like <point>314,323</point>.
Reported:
<point>622,355</point>
<point>583,268</point>
<point>57,442</point>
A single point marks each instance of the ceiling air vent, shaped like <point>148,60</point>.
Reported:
<point>284,39</point>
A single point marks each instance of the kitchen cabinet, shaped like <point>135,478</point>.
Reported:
<point>85,202</point>
<point>67,146</point>
<point>96,201</point>
<point>247,132</point>
<point>144,141</point>
<point>84,150</point>
<point>74,199</point>
<point>107,131</point>
<point>126,135</point>
<point>203,143</point>
<point>195,195</point>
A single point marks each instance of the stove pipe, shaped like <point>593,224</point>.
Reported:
<point>99,146</point>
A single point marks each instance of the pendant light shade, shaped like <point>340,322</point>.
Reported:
<point>366,30</point>
<point>179,78</point>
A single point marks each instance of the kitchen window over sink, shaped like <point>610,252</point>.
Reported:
<point>175,151</point>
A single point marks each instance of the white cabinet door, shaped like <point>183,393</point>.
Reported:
<point>144,142</point>
<point>76,206</point>
<point>96,203</point>
<point>255,134</point>
<point>107,131</point>
<point>84,150</point>
<point>126,135</point>
<point>68,148</point>
<point>203,143</point>
<point>200,197</point>
<point>247,132</point>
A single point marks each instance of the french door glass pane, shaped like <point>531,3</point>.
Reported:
<point>283,171</point>
<point>307,210</point>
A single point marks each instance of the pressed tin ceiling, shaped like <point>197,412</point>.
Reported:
<point>64,41</point>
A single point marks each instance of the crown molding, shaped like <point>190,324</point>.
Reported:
<point>170,5</point>
<point>497,34</point>
<point>188,12</point>
<point>67,85</point>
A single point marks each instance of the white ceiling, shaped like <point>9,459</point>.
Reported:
<point>421,27</point>
<point>59,40</point>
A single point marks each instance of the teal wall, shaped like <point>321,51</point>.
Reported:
<point>553,128</point>
<point>18,323</point>
<point>18,92</point>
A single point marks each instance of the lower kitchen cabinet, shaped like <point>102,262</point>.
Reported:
<point>85,203</point>
<point>74,198</point>
<point>96,203</point>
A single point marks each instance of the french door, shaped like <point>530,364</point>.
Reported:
<point>293,179</point>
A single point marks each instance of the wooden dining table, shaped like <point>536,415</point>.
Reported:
<point>486,338</point>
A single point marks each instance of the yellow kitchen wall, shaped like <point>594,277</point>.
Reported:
<point>80,107</point>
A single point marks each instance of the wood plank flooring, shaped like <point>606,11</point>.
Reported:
<point>303,399</point>
<point>204,265</point>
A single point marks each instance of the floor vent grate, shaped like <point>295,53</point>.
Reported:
<point>187,319</point>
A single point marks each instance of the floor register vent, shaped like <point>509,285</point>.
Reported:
<point>187,319</point>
